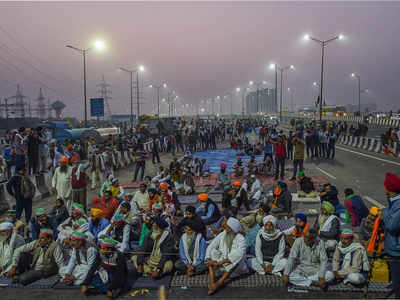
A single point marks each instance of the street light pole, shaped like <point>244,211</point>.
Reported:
<point>137,95</point>
<point>84,84</point>
<point>97,45</point>
<point>321,85</point>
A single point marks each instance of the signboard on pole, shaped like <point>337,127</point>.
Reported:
<point>97,107</point>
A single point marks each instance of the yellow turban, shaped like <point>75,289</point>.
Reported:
<point>96,212</point>
<point>373,210</point>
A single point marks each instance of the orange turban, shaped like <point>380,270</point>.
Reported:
<point>237,183</point>
<point>64,160</point>
<point>69,147</point>
<point>164,186</point>
<point>203,197</point>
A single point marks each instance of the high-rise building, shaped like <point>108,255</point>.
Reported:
<point>262,101</point>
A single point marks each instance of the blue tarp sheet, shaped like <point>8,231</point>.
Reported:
<point>215,157</point>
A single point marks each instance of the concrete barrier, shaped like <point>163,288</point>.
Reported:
<point>349,141</point>
<point>360,142</point>
<point>367,143</point>
<point>355,141</point>
<point>372,145</point>
<point>378,147</point>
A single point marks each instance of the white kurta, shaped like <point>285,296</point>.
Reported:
<point>122,246</point>
<point>79,271</point>
<point>62,183</point>
<point>7,251</point>
<point>218,250</point>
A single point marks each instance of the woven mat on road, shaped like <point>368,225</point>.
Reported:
<point>373,287</point>
<point>285,224</point>
<point>249,281</point>
<point>206,181</point>
<point>187,199</point>
<point>131,185</point>
<point>45,283</point>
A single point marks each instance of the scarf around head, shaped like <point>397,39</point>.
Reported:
<point>270,236</point>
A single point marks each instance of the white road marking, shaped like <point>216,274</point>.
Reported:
<point>374,202</point>
<point>326,173</point>
<point>369,156</point>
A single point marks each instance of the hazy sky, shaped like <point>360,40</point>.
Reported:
<point>201,49</point>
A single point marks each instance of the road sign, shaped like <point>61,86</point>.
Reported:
<point>97,107</point>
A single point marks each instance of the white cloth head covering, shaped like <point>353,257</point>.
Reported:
<point>6,226</point>
<point>253,176</point>
<point>234,224</point>
<point>269,218</point>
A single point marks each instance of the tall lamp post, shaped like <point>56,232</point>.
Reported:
<point>322,44</point>
<point>257,84</point>
<point>158,87</point>
<point>281,69</point>
<point>99,45</point>
<point>131,72</point>
<point>354,75</point>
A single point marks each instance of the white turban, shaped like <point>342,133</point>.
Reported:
<point>6,226</point>
<point>234,224</point>
<point>269,218</point>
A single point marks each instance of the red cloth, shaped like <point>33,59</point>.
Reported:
<point>107,208</point>
<point>392,183</point>
<point>78,183</point>
<point>280,150</point>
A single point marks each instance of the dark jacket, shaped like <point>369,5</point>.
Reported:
<point>285,201</point>
<point>182,224</point>
<point>167,247</point>
<point>14,186</point>
<point>391,219</point>
<point>306,185</point>
<point>35,228</point>
<point>331,196</point>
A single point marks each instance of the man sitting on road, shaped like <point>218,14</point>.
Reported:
<point>298,229</point>
<point>234,197</point>
<point>108,204</point>
<point>81,266</point>
<point>192,250</point>
<point>310,253</point>
<point>269,249</point>
<point>306,186</point>
<point>328,226</point>
<point>355,206</point>
<point>226,253</point>
<point>39,221</point>
<point>254,189</point>
<point>10,240</point>
<point>141,197</point>
<point>97,223</point>
<point>160,244</point>
<point>282,203</point>
<point>350,260</point>
<point>367,225</point>
<point>329,193</point>
<point>208,210</point>
<point>224,178</point>
<point>118,230</point>
<point>38,259</point>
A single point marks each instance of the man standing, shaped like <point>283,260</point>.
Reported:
<point>20,146</point>
<point>298,158</point>
<point>141,155</point>
<point>155,151</point>
<point>33,152</point>
<point>79,183</point>
<point>391,220</point>
<point>23,190</point>
<point>280,155</point>
<point>355,206</point>
<point>61,182</point>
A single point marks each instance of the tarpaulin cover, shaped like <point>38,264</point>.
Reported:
<point>215,157</point>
